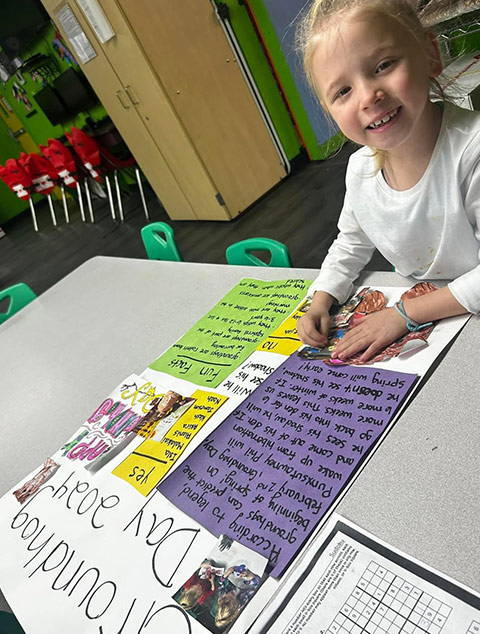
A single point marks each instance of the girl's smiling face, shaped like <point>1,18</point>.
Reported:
<point>373,77</point>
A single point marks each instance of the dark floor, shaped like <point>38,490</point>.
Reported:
<point>301,212</point>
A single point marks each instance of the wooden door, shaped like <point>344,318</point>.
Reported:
<point>187,49</point>
<point>146,95</point>
<point>103,76</point>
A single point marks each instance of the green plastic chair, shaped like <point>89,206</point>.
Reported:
<point>241,253</point>
<point>19,295</point>
<point>9,624</point>
<point>159,242</point>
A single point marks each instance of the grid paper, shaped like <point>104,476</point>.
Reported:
<point>384,603</point>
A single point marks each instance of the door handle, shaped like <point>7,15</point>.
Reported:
<point>16,134</point>
<point>134,102</point>
<point>125,105</point>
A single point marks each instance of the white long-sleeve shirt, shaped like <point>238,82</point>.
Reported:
<point>430,231</point>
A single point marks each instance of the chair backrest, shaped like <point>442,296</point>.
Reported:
<point>159,242</point>
<point>96,158</point>
<point>41,171</point>
<point>241,253</point>
<point>63,161</point>
<point>9,623</point>
<point>87,150</point>
<point>16,177</point>
<point>19,295</point>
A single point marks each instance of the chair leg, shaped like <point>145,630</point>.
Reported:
<point>119,198</point>
<point>89,201</point>
<point>34,217</point>
<point>65,206</point>
<point>80,201</point>
<point>142,195</point>
<point>52,211</point>
<point>110,197</point>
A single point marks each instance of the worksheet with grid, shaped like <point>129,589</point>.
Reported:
<point>385,603</point>
<point>351,582</point>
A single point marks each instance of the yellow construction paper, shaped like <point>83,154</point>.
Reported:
<point>284,339</point>
<point>145,467</point>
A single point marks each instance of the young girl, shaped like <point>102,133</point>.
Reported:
<point>413,191</point>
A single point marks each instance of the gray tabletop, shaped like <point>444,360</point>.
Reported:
<point>113,316</point>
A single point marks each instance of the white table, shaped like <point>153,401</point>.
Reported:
<point>113,316</point>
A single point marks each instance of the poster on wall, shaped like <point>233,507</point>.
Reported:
<point>97,19</point>
<point>76,35</point>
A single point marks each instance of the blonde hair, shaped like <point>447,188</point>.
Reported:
<point>228,609</point>
<point>191,597</point>
<point>321,14</point>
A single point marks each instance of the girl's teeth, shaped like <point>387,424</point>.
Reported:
<point>380,122</point>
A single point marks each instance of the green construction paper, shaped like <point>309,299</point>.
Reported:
<point>224,337</point>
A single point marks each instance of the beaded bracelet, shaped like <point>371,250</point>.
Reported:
<point>412,325</point>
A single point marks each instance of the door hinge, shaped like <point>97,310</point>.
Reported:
<point>220,200</point>
<point>223,11</point>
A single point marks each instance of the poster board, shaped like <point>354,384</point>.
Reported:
<point>132,518</point>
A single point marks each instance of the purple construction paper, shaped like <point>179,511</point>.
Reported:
<point>269,473</point>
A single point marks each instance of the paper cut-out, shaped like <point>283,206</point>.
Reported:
<point>347,316</point>
<point>222,586</point>
<point>151,461</point>
<point>341,316</point>
<point>285,339</point>
<point>274,467</point>
<point>248,376</point>
<point>231,331</point>
<point>113,422</point>
<point>166,410</point>
<point>408,343</point>
<point>31,486</point>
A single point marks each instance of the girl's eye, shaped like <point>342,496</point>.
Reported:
<point>342,92</point>
<point>383,66</point>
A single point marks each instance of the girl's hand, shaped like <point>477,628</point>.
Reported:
<point>371,333</point>
<point>313,327</point>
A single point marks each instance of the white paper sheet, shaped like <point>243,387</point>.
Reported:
<point>97,19</point>
<point>76,35</point>
<point>88,551</point>
<point>127,543</point>
<point>350,582</point>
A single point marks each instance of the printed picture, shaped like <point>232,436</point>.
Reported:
<point>340,316</point>
<point>346,316</point>
<point>222,585</point>
<point>113,423</point>
<point>164,412</point>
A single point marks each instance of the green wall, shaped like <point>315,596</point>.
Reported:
<point>315,151</point>
<point>10,205</point>
<point>462,42</point>
<point>264,77</point>
<point>36,124</point>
